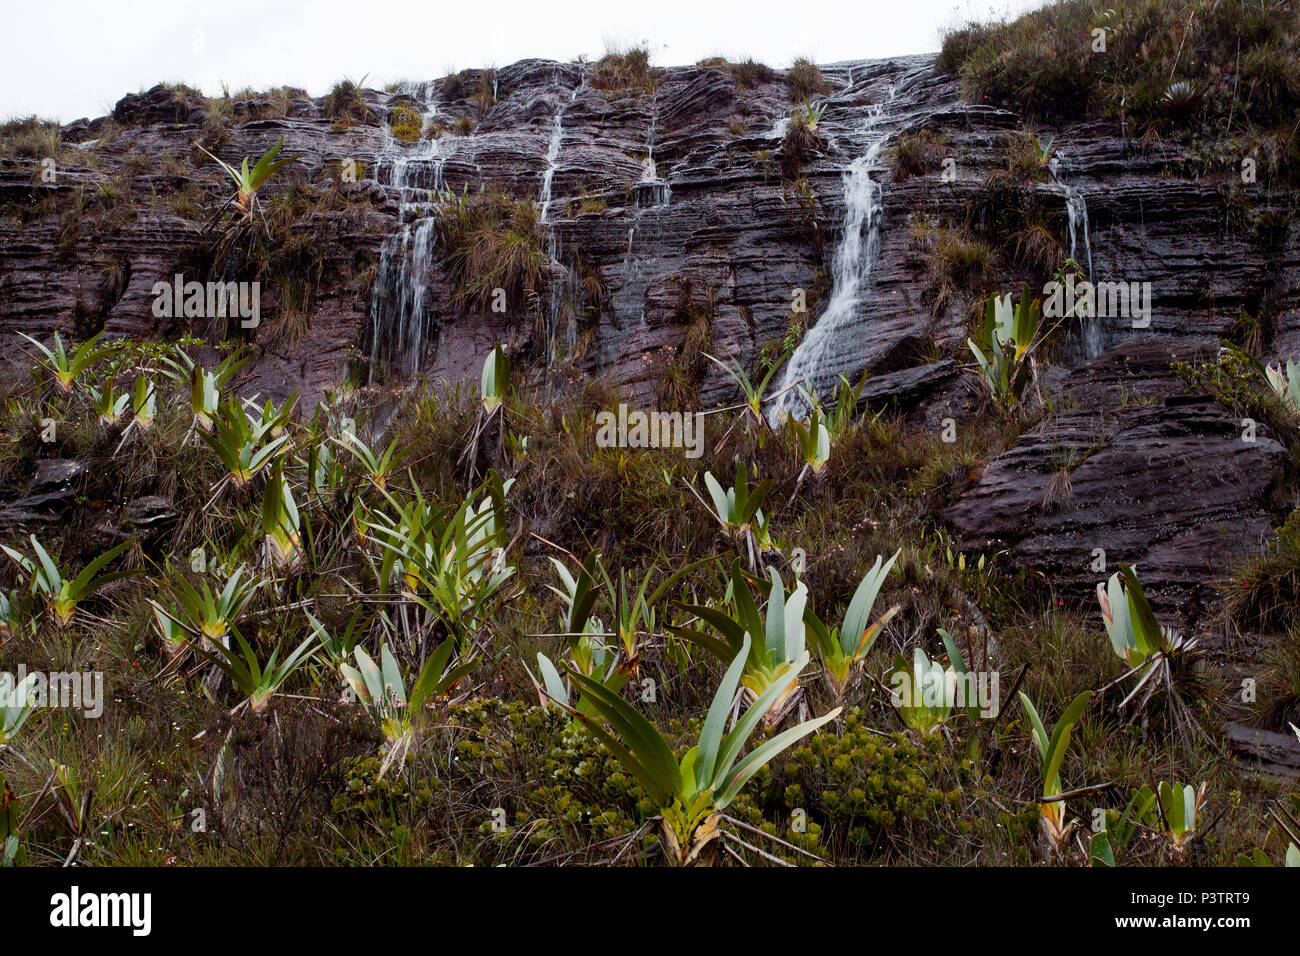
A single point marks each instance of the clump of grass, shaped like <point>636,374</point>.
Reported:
<point>30,138</point>
<point>492,241</point>
<point>1280,683</point>
<point>958,265</point>
<point>625,69</point>
<point>485,97</point>
<point>346,103</point>
<point>749,72</point>
<point>405,123</point>
<point>804,80</point>
<point>917,152</point>
<point>1037,247</point>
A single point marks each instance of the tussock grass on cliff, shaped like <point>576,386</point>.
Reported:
<point>1211,69</point>
<point>493,241</point>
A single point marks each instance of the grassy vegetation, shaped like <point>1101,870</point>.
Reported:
<point>346,104</point>
<point>30,138</point>
<point>917,152</point>
<point>802,138</point>
<point>405,123</point>
<point>385,546</point>
<point>329,644</point>
<point>804,81</point>
<point>1225,72</point>
<point>492,241</point>
<point>628,70</point>
<point>747,73</point>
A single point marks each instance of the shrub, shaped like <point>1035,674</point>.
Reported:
<point>878,796</point>
<point>750,73</point>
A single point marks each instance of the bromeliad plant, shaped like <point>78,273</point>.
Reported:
<point>256,681</point>
<point>738,509</point>
<point>1285,383</point>
<point>1137,638</point>
<point>1010,336</point>
<point>281,523</point>
<point>382,691</point>
<point>11,849</point>
<point>248,181</point>
<point>774,645</point>
<point>634,610</point>
<point>60,595</point>
<point>814,439</point>
<point>15,705</point>
<point>1172,809</point>
<point>583,632</point>
<point>338,646</point>
<point>923,691</point>
<point>844,648</point>
<point>202,612</point>
<point>1051,751</point>
<point>144,409</point>
<point>245,445</point>
<point>452,565</point>
<point>144,403</point>
<point>108,402</point>
<point>755,395</point>
<point>493,393</point>
<point>204,386</point>
<point>592,659</point>
<point>64,369</point>
<point>692,793</point>
<point>1178,809</point>
<point>378,468</point>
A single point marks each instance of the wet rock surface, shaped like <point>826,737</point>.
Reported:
<point>1134,467</point>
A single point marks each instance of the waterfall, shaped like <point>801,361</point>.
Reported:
<point>1076,210</point>
<point>558,286</point>
<point>651,191</point>
<point>850,270</point>
<point>399,324</point>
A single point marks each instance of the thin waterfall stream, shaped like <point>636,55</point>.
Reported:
<point>399,323</point>
<point>1076,211</point>
<point>558,285</point>
<point>850,270</point>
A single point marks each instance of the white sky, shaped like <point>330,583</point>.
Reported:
<point>78,57</point>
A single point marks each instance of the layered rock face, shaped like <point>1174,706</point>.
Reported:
<point>1130,470</point>
<point>659,206</point>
